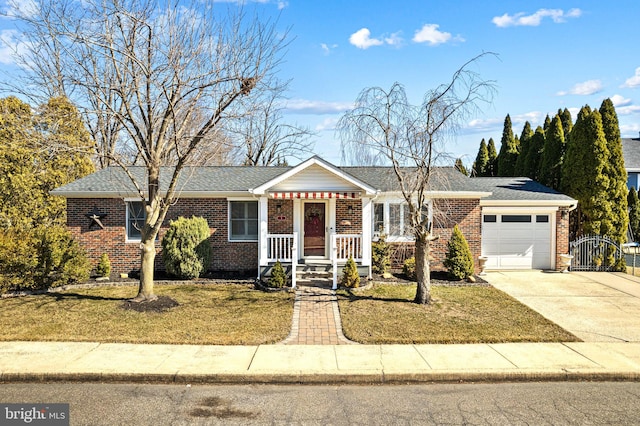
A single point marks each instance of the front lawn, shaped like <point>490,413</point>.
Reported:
<point>212,314</point>
<point>467,314</point>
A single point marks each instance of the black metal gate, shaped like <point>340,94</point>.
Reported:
<point>594,253</point>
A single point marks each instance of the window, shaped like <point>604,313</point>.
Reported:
<point>542,218</point>
<point>135,219</point>
<point>378,218</point>
<point>489,218</point>
<point>392,219</point>
<point>632,180</point>
<point>516,218</point>
<point>243,220</point>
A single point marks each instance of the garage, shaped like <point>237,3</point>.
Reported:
<point>518,240</point>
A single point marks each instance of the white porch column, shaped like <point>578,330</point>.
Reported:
<point>263,214</point>
<point>367,210</point>
<point>297,225</point>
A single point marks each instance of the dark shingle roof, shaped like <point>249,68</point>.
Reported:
<point>518,189</point>
<point>631,153</point>
<point>113,181</point>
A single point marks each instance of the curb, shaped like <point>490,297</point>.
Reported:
<point>303,378</point>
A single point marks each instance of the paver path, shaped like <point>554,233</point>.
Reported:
<point>316,317</point>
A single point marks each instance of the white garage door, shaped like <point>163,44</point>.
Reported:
<point>517,241</point>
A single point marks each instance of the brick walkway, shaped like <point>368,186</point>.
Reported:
<point>316,317</point>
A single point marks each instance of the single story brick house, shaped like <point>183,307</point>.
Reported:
<point>317,212</point>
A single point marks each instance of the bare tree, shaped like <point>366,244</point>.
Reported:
<point>263,138</point>
<point>384,128</point>
<point>166,75</point>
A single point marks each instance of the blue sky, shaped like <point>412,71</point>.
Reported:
<point>551,55</point>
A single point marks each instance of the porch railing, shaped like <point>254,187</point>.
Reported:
<point>284,248</point>
<point>344,246</point>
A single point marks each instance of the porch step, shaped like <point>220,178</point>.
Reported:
<point>314,271</point>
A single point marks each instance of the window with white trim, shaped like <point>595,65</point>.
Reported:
<point>393,220</point>
<point>136,215</point>
<point>243,220</point>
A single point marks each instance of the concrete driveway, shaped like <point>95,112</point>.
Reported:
<point>594,306</point>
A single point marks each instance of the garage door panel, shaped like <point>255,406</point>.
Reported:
<point>517,245</point>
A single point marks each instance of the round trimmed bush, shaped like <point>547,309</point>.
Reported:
<point>186,249</point>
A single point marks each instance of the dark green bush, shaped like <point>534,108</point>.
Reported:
<point>350,277</point>
<point>278,277</point>
<point>186,249</point>
<point>380,256</point>
<point>60,258</point>
<point>409,268</point>
<point>459,260</point>
<point>104,266</point>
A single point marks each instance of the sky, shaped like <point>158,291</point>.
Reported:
<point>548,55</point>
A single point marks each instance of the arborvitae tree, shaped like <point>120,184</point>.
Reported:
<point>278,278</point>
<point>525,142</point>
<point>584,176</point>
<point>459,260</point>
<point>552,156</point>
<point>616,172</point>
<point>492,167</point>
<point>508,150</point>
<point>459,166</point>
<point>536,146</point>
<point>634,213</point>
<point>567,122</point>
<point>350,277</point>
<point>547,123</point>
<point>481,165</point>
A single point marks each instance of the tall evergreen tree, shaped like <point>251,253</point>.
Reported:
<point>615,171</point>
<point>552,155</point>
<point>459,166</point>
<point>547,123</point>
<point>584,176</point>
<point>634,213</point>
<point>508,150</point>
<point>481,165</point>
<point>567,122</point>
<point>534,154</point>
<point>492,169</point>
<point>525,142</point>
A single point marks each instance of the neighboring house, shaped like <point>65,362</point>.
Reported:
<point>316,212</point>
<point>631,154</point>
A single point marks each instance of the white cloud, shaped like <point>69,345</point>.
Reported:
<point>394,39</point>
<point>586,88</point>
<point>629,130</point>
<point>10,45</point>
<point>429,33</point>
<point>633,81</point>
<point>535,118</point>
<point>362,39</point>
<point>627,110</point>
<point>327,124</point>
<point>483,125</point>
<point>620,101</point>
<point>326,48</point>
<point>533,20</point>
<point>303,106</point>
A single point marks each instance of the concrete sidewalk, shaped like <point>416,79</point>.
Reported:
<point>329,364</point>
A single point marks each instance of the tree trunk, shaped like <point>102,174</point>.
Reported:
<point>423,272</point>
<point>147,263</point>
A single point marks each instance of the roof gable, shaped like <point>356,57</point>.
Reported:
<point>315,174</point>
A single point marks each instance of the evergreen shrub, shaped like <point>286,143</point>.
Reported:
<point>186,249</point>
<point>350,277</point>
<point>104,266</point>
<point>409,268</point>
<point>380,256</point>
<point>278,277</point>
<point>459,260</point>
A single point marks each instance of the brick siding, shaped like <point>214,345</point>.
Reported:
<point>125,256</point>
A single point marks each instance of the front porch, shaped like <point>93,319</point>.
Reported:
<point>284,248</point>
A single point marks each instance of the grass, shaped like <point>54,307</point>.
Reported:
<point>472,314</point>
<point>218,314</point>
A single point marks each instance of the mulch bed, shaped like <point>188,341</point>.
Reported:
<point>438,278</point>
